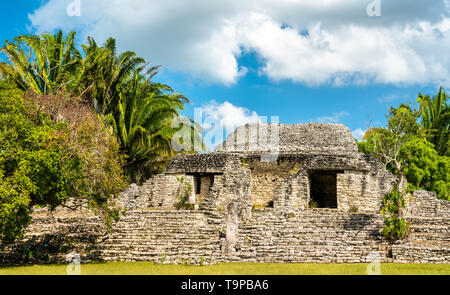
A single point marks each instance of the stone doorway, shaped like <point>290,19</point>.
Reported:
<point>323,189</point>
<point>201,185</point>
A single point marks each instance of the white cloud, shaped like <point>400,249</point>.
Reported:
<point>226,115</point>
<point>358,134</point>
<point>311,42</point>
<point>335,118</point>
<point>219,120</point>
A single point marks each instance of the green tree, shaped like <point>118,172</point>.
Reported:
<point>102,73</point>
<point>47,63</point>
<point>435,118</point>
<point>53,150</point>
<point>425,169</point>
<point>142,120</point>
<point>385,143</point>
<point>395,226</point>
<point>44,64</point>
<point>115,85</point>
<point>415,160</point>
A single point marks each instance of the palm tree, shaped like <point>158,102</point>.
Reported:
<point>44,63</point>
<point>117,86</point>
<point>435,113</point>
<point>142,120</point>
<point>102,72</point>
<point>48,62</point>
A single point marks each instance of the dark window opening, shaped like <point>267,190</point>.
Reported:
<point>207,183</point>
<point>198,183</point>
<point>323,189</point>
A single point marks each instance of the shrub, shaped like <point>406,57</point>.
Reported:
<point>313,204</point>
<point>52,149</point>
<point>243,164</point>
<point>183,202</point>
<point>395,227</point>
<point>353,209</point>
<point>163,258</point>
<point>425,168</point>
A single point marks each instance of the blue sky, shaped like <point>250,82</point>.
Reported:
<point>304,61</point>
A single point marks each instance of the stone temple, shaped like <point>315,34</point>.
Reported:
<point>269,193</point>
<point>286,167</point>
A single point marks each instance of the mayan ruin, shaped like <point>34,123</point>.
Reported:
<point>308,196</point>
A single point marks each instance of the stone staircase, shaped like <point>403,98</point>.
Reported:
<point>331,236</point>
<point>318,235</point>
<point>186,236</point>
<point>428,242</point>
<point>430,229</point>
<point>50,238</point>
<point>162,236</point>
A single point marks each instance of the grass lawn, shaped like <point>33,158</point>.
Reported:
<point>148,268</point>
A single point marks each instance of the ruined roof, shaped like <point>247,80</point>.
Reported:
<point>316,138</point>
<point>255,139</point>
<point>202,163</point>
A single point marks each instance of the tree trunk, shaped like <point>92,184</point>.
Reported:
<point>401,177</point>
<point>401,182</point>
<point>401,189</point>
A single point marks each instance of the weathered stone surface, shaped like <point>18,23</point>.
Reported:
<point>245,208</point>
<point>423,203</point>
<point>188,236</point>
<point>201,163</point>
<point>315,138</point>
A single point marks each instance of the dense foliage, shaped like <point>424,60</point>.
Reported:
<point>44,63</point>
<point>395,227</point>
<point>117,86</point>
<point>143,118</point>
<point>435,119</point>
<point>75,120</point>
<point>415,144</point>
<point>54,151</point>
<point>425,169</point>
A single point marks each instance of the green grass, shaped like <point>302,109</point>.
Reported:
<point>148,268</point>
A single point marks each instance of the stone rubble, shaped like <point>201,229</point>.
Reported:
<point>246,208</point>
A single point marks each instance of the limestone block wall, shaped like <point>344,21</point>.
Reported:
<point>355,191</point>
<point>315,236</point>
<point>267,176</point>
<point>293,194</point>
<point>232,185</point>
<point>245,176</point>
<point>304,138</point>
<point>429,231</point>
<point>285,182</point>
<point>423,203</point>
<point>210,202</point>
<point>170,236</point>
<point>205,185</point>
<point>50,238</point>
<point>163,190</point>
<point>406,253</point>
<point>360,191</point>
<point>188,236</point>
<point>330,236</point>
<point>359,186</point>
<point>223,178</point>
<point>428,241</point>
